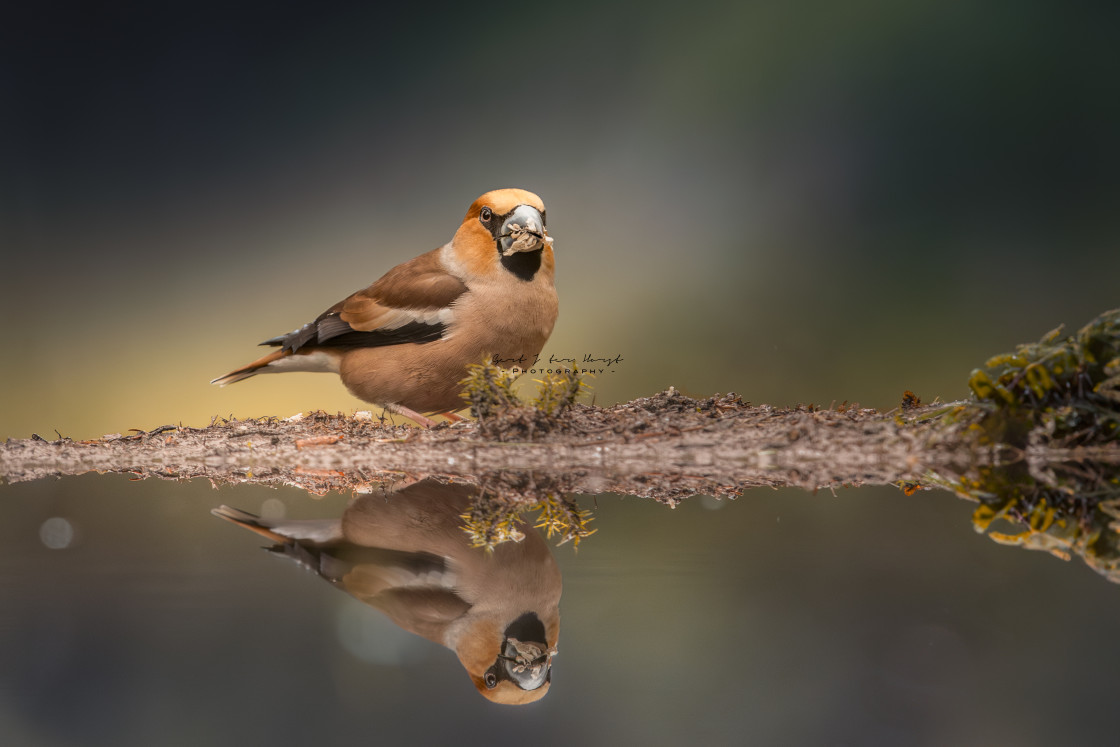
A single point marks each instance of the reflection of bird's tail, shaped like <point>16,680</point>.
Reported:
<point>304,541</point>
<point>315,532</point>
<point>250,521</point>
<point>251,369</point>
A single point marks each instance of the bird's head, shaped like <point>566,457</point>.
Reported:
<point>513,666</point>
<point>507,227</point>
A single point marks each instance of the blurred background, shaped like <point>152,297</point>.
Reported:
<point>799,202</point>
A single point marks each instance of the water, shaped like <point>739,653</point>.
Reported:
<point>782,617</point>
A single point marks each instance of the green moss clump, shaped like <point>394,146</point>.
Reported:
<point>559,391</point>
<point>488,389</point>
<point>1069,387</point>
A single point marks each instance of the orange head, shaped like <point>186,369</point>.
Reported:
<point>507,228</point>
<point>514,666</point>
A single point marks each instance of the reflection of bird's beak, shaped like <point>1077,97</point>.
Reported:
<point>523,231</point>
<point>527,664</point>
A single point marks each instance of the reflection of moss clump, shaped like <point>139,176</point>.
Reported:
<point>1069,387</point>
<point>563,517</point>
<point>1078,517</point>
<point>489,523</point>
<point>491,520</point>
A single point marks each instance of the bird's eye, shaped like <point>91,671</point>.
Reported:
<point>485,215</point>
<point>491,680</point>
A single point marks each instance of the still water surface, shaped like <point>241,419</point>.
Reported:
<point>782,617</point>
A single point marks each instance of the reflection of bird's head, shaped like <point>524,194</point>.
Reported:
<point>513,666</point>
<point>506,227</point>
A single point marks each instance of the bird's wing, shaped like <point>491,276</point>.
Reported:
<point>417,590</point>
<point>410,303</point>
<point>426,612</point>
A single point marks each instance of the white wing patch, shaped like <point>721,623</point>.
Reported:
<point>319,361</point>
<point>309,530</point>
<point>401,317</point>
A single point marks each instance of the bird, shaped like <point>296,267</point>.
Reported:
<point>404,343</point>
<point>404,552</point>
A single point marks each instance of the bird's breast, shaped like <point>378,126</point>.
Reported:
<point>505,315</point>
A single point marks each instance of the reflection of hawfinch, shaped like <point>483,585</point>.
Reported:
<point>407,555</point>
<point>404,342</point>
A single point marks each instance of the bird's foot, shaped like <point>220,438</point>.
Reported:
<point>411,414</point>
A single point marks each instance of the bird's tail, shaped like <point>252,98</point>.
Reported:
<point>251,369</point>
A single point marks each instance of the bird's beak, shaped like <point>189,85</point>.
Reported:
<point>527,664</point>
<point>523,231</point>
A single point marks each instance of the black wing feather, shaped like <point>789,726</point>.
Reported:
<point>330,331</point>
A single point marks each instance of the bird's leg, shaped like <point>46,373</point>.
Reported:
<point>406,479</point>
<point>411,415</point>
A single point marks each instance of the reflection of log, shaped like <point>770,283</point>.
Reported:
<point>667,446</point>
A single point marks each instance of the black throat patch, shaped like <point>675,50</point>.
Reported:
<point>528,627</point>
<point>524,265</point>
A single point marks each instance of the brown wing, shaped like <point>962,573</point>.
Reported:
<point>403,585</point>
<point>404,306</point>
<point>424,611</point>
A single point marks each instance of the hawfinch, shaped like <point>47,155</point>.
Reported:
<point>404,343</point>
<point>406,554</point>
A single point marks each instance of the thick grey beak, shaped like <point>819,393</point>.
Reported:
<point>529,673</point>
<point>523,231</point>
